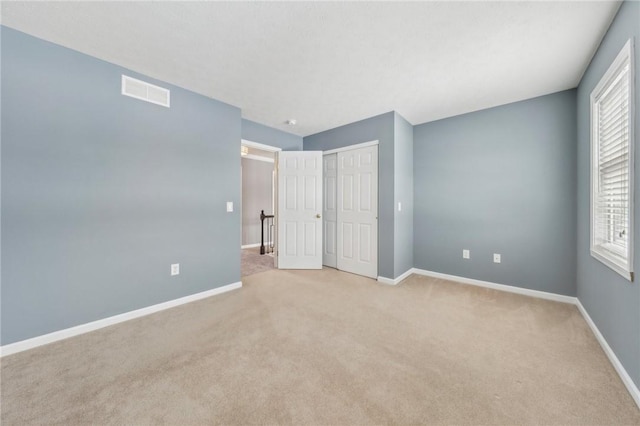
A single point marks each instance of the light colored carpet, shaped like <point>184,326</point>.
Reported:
<point>325,347</point>
<point>253,262</point>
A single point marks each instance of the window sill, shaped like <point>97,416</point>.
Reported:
<point>608,261</point>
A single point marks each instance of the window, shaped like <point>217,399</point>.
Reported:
<point>612,166</point>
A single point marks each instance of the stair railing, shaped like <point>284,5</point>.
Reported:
<point>270,240</point>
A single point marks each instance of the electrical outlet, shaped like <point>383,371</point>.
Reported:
<point>466,254</point>
<point>496,258</point>
<point>175,269</point>
<point>399,206</point>
<point>229,206</point>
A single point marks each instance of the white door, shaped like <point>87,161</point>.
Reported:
<point>299,210</point>
<point>358,211</point>
<point>330,211</point>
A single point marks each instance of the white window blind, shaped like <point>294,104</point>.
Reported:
<point>612,166</point>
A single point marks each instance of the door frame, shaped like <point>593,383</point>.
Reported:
<point>354,146</point>
<point>257,145</point>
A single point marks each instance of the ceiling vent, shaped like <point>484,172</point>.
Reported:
<point>145,91</point>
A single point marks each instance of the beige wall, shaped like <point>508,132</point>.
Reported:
<point>257,194</point>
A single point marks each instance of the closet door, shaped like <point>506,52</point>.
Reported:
<point>357,219</point>
<point>330,211</point>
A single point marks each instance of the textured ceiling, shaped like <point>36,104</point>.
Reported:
<point>331,63</point>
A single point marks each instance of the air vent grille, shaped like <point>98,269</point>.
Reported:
<point>145,91</point>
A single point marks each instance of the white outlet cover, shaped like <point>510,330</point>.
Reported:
<point>497,258</point>
<point>466,254</point>
<point>229,206</point>
<point>399,206</point>
<point>175,269</point>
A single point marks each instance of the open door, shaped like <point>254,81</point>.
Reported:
<point>299,220</point>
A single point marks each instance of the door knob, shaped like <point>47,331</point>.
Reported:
<point>318,216</point>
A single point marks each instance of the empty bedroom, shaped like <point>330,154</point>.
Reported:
<point>449,229</point>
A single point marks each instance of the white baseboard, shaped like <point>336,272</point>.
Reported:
<point>394,281</point>
<point>388,281</point>
<point>502,287</point>
<point>246,246</point>
<point>34,342</point>
<point>617,365</point>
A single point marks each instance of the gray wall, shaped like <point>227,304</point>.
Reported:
<point>380,128</point>
<point>500,180</point>
<point>257,195</point>
<point>102,192</point>
<point>612,302</point>
<point>256,132</point>
<point>403,192</point>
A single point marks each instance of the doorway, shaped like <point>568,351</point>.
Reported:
<point>258,195</point>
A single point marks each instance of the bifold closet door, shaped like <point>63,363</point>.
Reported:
<point>357,215</point>
<point>330,210</point>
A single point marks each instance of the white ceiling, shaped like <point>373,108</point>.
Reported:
<point>331,63</point>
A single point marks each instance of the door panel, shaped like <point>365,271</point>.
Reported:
<point>310,198</point>
<point>357,211</point>
<point>299,207</point>
<point>330,175</point>
<point>364,245</point>
<point>347,192</point>
<point>290,238</point>
<point>365,192</point>
<point>347,241</point>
